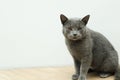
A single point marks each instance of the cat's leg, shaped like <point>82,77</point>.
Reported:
<point>107,68</point>
<point>85,65</point>
<point>77,69</point>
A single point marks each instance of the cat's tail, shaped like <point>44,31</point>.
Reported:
<point>117,74</point>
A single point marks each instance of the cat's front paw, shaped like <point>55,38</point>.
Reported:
<point>82,78</point>
<point>75,77</point>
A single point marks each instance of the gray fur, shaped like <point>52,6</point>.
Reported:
<point>117,74</point>
<point>89,49</point>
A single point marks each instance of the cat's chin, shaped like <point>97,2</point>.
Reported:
<point>75,39</point>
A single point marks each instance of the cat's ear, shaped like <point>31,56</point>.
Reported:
<point>85,19</point>
<point>63,19</point>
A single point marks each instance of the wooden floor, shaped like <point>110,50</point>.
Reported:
<point>48,73</point>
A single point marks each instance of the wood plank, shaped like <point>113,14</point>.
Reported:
<point>44,73</point>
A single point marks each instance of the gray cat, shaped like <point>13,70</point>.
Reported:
<point>90,50</point>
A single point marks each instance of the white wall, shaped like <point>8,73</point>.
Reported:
<point>30,30</point>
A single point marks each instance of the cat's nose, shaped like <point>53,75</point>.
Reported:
<point>74,34</point>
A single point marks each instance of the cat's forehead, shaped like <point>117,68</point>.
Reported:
<point>74,22</point>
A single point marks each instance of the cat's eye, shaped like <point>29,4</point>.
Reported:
<point>79,28</point>
<point>70,28</point>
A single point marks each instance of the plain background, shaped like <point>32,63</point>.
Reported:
<point>31,31</point>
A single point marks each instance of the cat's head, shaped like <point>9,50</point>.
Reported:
<point>74,29</point>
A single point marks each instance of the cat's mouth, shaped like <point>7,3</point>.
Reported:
<point>75,38</point>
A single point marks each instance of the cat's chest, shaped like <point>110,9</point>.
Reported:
<point>78,49</point>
